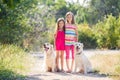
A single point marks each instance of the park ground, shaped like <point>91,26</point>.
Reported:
<point>36,73</point>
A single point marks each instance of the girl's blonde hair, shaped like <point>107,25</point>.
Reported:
<point>70,13</point>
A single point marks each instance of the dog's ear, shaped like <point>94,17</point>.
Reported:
<point>82,44</point>
<point>75,43</point>
<point>52,46</point>
<point>44,45</point>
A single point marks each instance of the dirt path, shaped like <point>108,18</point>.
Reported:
<point>36,73</point>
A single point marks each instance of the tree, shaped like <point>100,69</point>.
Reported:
<point>13,22</point>
<point>107,32</point>
<point>97,10</point>
<point>11,3</point>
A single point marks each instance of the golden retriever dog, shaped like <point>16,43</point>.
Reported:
<point>82,64</point>
<point>49,58</point>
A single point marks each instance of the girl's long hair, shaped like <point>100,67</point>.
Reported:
<point>60,19</point>
<point>70,13</point>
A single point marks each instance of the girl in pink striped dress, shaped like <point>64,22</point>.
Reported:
<point>59,42</point>
<point>71,36</point>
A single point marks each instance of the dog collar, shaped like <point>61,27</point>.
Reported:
<point>79,53</point>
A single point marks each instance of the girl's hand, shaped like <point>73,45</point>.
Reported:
<point>54,35</point>
<point>76,39</point>
<point>76,30</point>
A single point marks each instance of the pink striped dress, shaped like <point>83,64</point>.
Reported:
<point>70,34</point>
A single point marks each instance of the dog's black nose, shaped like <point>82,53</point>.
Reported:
<point>77,47</point>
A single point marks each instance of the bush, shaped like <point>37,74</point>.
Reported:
<point>13,24</point>
<point>13,62</point>
<point>10,75</point>
<point>107,33</point>
<point>86,36</point>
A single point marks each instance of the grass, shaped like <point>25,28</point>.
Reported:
<point>108,64</point>
<point>10,75</point>
<point>13,62</point>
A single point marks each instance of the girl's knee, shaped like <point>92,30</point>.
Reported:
<point>67,56</point>
<point>72,57</point>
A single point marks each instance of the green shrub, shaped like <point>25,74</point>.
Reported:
<point>107,33</point>
<point>86,36</point>
<point>13,62</point>
<point>13,24</point>
<point>10,75</point>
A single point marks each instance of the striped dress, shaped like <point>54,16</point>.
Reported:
<point>70,34</point>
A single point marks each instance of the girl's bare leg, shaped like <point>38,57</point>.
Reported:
<point>57,60</point>
<point>62,59</point>
<point>72,64</point>
<point>67,63</point>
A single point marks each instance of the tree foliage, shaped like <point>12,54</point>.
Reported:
<point>87,36</point>
<point>97,9</point>
<point>13,23</point>
<point>108,33</point>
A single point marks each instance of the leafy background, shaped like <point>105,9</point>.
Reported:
<point>26,24</point>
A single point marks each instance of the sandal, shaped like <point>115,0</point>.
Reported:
<point>69,71</point>
<point>58,70</point>
<point>62,71</point>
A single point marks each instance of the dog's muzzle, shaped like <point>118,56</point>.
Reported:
<point>46,48</point>
<point>77,48</point>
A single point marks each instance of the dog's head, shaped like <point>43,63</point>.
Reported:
<point>47,46</point>
<point>78,47</point>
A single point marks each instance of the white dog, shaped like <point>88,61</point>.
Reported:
<point>82,64</point>
<point>49,59</point>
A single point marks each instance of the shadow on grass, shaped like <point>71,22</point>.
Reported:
<point>10,75</point>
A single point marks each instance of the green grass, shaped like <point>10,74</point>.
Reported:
<point>13,62</point>
<point>108,64</point>
<point>10,75</point>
